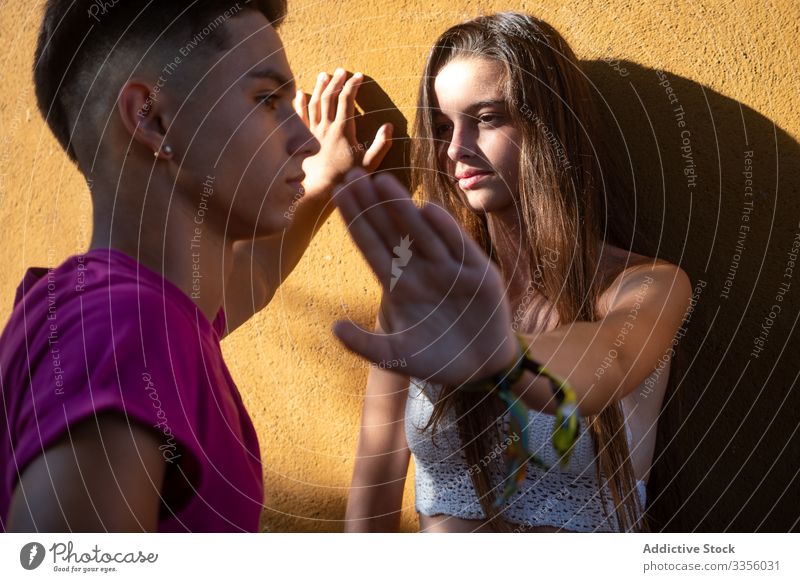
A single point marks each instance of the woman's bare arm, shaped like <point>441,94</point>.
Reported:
<point>607,359</point>
<point>379,476</point>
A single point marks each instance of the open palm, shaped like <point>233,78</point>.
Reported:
<point>444,312</point>
<point>330,114</point>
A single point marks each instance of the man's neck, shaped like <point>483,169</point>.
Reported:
<point>183,249</point>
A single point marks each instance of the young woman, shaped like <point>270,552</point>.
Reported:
<point>505,142</point>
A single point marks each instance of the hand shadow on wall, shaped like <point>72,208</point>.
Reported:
<point>377,108</point>
<point>728,443</point>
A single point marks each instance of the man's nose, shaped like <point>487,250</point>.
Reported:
<point>302,142</point>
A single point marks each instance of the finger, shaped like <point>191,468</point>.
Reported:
<point>379,214</point>
<point>328,102</point>
<point>314,113</point>
<point>346,110</point>
<point>408,219</point>
<point>301,107</point>
<point>370,345</point>
<point>360,226</point>
<point>461,245</point>
<point>454,238</point>
<point>379,148</point>
<point>396,220</point>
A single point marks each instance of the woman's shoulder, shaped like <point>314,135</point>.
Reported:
<point>622,270</point>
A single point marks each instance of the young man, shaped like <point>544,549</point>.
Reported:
<point>119,413</point>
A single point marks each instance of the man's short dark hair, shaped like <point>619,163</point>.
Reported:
<point>78,36</point>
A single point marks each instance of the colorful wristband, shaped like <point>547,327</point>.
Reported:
<point>567,425</point>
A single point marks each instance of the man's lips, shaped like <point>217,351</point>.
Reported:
<point>296,180</point>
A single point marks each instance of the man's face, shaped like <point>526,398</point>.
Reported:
<point>238,136</point>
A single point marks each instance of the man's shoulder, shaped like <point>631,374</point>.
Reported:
<point>88,296</point>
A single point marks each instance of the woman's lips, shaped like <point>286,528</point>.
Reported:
<point>470,181</point>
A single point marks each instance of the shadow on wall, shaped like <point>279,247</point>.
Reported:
<point>378,108</point>
<point>713,187</point>
<point>279,515</point>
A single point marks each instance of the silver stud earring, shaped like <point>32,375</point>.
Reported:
<point>167,149</point>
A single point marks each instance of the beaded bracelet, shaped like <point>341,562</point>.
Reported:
<point>567,425</point>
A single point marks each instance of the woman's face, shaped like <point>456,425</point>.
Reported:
<point>479,146</point>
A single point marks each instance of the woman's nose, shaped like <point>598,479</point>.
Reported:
<point>461,146</point>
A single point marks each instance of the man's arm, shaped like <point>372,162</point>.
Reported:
<point>260,266</point>
<point>104,475</point>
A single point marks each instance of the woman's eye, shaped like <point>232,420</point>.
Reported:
<point>442,129</point>
<point>490,118</point>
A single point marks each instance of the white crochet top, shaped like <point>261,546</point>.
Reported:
<point>566,497</point>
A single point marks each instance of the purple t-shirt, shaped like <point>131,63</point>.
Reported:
<point>103,333</point>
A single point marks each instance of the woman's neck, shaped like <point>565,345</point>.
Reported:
<point>512,251</point>
<point>530,308</point>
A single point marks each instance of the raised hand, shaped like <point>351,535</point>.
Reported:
<point>444,312</point>
<point>330,115</point>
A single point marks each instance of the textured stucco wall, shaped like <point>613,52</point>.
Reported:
<point>732,66</point>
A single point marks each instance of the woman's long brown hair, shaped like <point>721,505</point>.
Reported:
<point>562,218</point>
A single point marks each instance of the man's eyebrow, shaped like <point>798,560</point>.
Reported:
<point>280,79</point>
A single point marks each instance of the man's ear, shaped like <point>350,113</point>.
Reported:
<point>141,114</point>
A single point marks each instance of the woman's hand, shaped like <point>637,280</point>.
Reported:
<point>330,115</point>
<point>444,311</point>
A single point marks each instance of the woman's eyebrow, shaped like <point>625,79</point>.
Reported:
<point>477,106</point>
<point>486,103</point>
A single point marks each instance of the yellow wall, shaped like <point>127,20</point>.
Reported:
<point>732,61</point>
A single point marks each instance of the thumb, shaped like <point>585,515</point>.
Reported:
<point>367,344</point>
<point>379,148</point>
